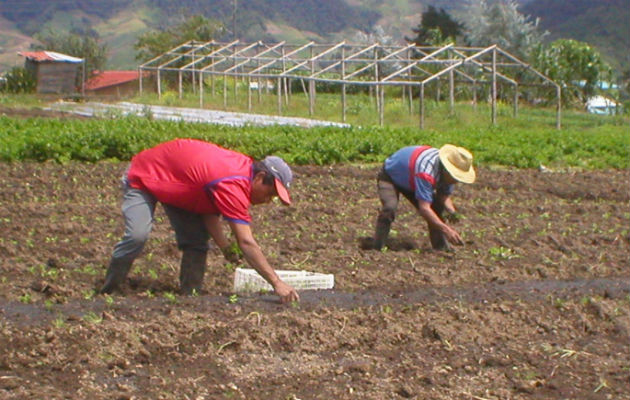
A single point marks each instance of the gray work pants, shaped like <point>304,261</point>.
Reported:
<point>138,208</point>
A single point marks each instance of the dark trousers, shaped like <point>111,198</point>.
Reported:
<point>389,194</point>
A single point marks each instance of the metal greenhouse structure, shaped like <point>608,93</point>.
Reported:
<point>411,68</point>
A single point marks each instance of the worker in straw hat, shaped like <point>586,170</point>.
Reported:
<point>426,177</point>
<point>199,184</point>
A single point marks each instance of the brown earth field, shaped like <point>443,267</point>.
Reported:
<point>535,305</point>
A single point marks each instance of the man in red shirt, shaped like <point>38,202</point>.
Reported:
<point>198,183</point>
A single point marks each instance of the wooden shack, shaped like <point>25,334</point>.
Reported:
<point>53,72</point>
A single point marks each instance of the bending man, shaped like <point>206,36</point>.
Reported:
<point>426,177</point>
<point>198,183</point>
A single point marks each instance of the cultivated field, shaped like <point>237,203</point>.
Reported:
<point>534,306</point>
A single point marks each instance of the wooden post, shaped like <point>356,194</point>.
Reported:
<point>377,95</point>
<point>259,84</point>
<point>343,85</point>
<point>451,91</point>
<point>200,89</point>
<point>474,95</point>
<point>192,73</point>
<point>159,84</point>
<point>494,86</point>
<point>235,76</point>
<point>559,106</point>
<point>312,88</point>
<point>422,105</point>
<point>410,89</point>
<point>179,83</point>
<point>279,91</point>
<point>249,93</point>
<point>280,81</point>
<point>140,80</point>
<point>381,114</point>
<point>224,91</point>
<point>515,112</point>
<point>311,99</point>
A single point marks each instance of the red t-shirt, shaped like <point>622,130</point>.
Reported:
<point>196,176</point>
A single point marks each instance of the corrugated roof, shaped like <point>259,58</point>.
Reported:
<point>40,56</point>
<point>110,78</point>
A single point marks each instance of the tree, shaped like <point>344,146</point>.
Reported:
<point>18,80</point>
<point>156,42</point>
<point>574,65</point>
<point>86,47</point>
<point>499,22</point>
<point>436,28</point>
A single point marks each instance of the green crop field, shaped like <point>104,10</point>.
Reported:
<point>527,141</point>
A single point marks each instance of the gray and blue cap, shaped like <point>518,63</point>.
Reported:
<point>282,176</point>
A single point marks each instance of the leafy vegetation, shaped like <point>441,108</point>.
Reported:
<point>575,65</point>
<point>586,141</point>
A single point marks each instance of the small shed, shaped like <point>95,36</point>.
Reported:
<point>54,72</point>
<point>113,83</point>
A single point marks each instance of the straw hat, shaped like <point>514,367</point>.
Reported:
<point>458,162</point>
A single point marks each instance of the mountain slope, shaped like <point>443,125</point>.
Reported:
<point>603,24</point>
<point>120,22</point>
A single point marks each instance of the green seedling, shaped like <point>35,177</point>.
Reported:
<point>26,298</point>
<point>59,322</point>
<point>170,297</point>
<point>233,299</point>
<point>92,318</point>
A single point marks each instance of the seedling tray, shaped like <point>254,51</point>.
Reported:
<point>248,280</point>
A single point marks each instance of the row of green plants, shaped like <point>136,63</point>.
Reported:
<point>528,141</point>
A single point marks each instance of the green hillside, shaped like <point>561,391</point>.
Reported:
<point>120,22</point>
<point>603,24</point>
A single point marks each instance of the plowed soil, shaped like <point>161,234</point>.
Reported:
<point>535,305</point>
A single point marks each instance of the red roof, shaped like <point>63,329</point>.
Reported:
<point>110,78</point>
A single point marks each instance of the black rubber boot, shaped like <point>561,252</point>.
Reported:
<point>383,225</point>
<point>191,272</point>
<point>116,274</point>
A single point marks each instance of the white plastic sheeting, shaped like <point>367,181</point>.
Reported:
<point>92,109</point>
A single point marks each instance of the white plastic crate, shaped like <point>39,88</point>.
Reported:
<point>248,280</point>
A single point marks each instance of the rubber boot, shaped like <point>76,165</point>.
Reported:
<point>383,225</point>
<point>191,272</point>
<point>116,274</point>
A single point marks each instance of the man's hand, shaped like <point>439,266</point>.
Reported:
<point>232,253</point>
<point>286,293</point>
<point>452,236</point>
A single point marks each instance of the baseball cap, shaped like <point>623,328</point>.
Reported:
<point>282,176</point>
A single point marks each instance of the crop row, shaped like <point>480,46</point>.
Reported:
<point>523,146</point>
